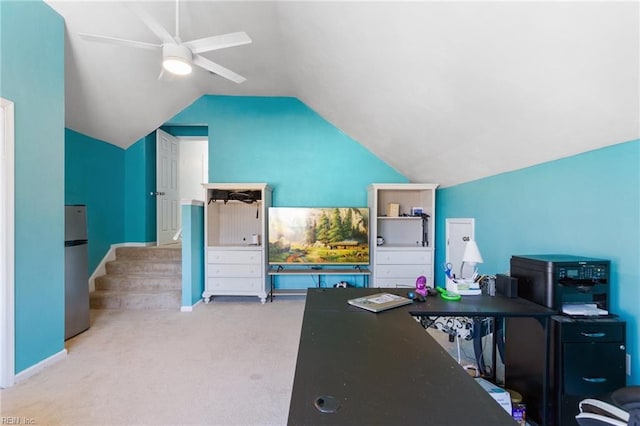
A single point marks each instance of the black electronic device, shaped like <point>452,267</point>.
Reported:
<point>578,345</point>
<point>507,286</point>
<point>553,280</point>
<point>318,236</point>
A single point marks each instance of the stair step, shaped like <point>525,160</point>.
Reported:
<point>140,278</point>
<point>138,282</point>
<point>149,253</point>
<point>165,299</point>
<point>148,267</point>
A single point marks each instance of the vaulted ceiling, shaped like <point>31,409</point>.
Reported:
<point>444,92</point>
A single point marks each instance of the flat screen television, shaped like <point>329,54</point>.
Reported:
<point>318,236</point>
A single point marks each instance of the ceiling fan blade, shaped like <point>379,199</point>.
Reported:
<point>217,69</point>
<point>153,25</point>
<point>120,41</point>
<point>218,42</point>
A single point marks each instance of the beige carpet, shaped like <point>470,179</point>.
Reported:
<point>230,362</point>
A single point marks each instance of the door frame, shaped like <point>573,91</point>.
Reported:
<point>7,247</point>
<point>448,222</point>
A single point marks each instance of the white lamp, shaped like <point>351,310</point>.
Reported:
<point>177,59</point>
<point>471,256</point>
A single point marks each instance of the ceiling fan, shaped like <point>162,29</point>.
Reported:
<point>178,57</point>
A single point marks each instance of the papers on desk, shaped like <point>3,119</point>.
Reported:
<point>463,287</point>
<point>583,309</point>
<point>380,302</point>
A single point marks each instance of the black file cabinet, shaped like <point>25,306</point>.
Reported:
<point>590,361</point>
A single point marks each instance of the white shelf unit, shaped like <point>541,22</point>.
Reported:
<point>234,264</point>
<point>408,250</point>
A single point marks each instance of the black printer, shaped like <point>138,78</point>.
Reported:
<point>554,280</point>
<point>579,344</point>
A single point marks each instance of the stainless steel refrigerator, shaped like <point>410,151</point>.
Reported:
<point>76,264</point>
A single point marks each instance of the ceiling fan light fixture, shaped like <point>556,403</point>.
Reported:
<point>177,59</point>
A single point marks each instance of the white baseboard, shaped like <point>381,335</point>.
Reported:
<point>36,368</point>
<point>190,308</point>
<point>101,269</point>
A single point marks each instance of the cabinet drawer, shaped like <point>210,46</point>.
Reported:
<point>234,256</point>
<point>233,270</point>
<point>593,368</point>
<point>224,285</point>
<point>403,257</point>
<point>402,271</point>
<point>587,331</point>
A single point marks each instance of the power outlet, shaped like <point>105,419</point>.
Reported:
<point>628,364</point>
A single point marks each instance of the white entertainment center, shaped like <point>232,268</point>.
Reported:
<point>235,236</point>
<point>408,231</point>
<point>236,239</point>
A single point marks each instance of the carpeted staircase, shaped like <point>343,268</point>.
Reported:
<point>140,278</point>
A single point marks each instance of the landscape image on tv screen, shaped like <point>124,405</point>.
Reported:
<point>319,235</point>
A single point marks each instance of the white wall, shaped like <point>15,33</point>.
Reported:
<point>194,167</point>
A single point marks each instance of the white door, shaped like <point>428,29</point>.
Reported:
<point>7,282</point>
<point>458,232</point>
<point>167,193</point>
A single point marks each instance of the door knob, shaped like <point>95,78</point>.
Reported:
<point>156,193</point>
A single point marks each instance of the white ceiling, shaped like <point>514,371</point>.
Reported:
<point>444,92</point>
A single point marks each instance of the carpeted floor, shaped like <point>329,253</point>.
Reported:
<point>230,362</point>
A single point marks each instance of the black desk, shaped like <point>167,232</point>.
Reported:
<point>384,368</point>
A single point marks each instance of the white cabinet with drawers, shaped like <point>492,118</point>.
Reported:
<point>235,232</point>
<point>400,267</point>
<point>234,271</point>
<point>404,216</point>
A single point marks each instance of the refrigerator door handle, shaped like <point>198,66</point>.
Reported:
<point>75,243</point>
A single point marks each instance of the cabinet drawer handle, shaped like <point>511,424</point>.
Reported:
<point>594,379</point>
<point>585,334</point>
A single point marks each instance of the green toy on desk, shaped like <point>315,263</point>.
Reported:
<point>445,295</point>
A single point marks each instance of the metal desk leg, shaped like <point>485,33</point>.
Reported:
<point>494,356</point>
<point>545,378</point>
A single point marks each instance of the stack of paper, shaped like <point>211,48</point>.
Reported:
<point>586,309</point>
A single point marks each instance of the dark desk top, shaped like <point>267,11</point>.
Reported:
<point>384,368</point>
<point>482,305</point>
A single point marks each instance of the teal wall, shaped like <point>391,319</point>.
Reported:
<point>283,142</point>
<point>94,175</point>
<point>588,204</point>
<point>115,185</point>
<point>139,181</point>
<point>32,76</point>
<point>192,253</point>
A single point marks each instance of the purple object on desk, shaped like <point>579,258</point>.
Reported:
<point>421,286</point>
